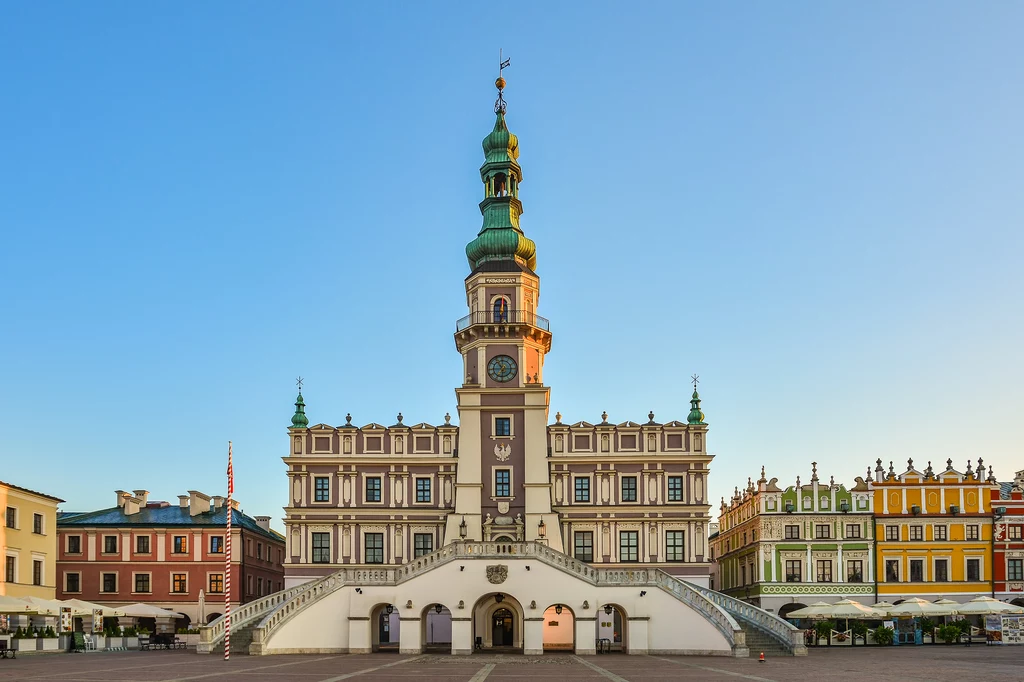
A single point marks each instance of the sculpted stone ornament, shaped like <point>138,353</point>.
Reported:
<point>496,575</point>
<point>502,451</point>
<point>503,507</point>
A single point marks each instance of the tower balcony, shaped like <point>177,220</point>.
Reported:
<point>509,317</point>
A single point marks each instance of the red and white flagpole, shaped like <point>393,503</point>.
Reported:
<point>227,563</point>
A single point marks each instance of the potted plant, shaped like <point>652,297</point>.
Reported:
<point>859,629</point>
<point>131,637</point>
<point>47,640</point>
<point>823,631</point>
<point>883,636</point>
<point>928,630</point>
<point>23,641</point>
<point>949,633</point>
<point>65,639</point>
<point>114,638</point>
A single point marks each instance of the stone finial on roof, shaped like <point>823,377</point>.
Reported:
<point>868,477</point>
<point>892,471</point>
<point>910,464</point>
<point>970,471</point>
<point>949,464</point>
<point>762,479</point>
<point>348,419</point>
<point>814,472</point>
<point>399,417</point>
<point>832,482</point>
<point>558,417</point>
<point>798,483</point>
<point>981,469</point>
<point>928,471</point>
<point>447,418</point>
<point>604,417</point>
<point>650,417</point>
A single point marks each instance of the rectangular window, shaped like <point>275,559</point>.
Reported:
<point>892,570</point>
<point>321,489</point>
<point>892,533</point>
<point>181,544</point>
<point>37,572</point>
<point>674,545</point>
<point>216,544</point>
<point>824,571</point>
<point>583,490</point>
<point>794,570</point>
<point>792,532</point>
<point>108,582</point>
<point>822,531</point>
<point>72,582</point>
<point>374,548</point>
<point>941,570</point>
<point>743,574</point>
<point>917,570</point>
<point>629,488</point>
<point>939,532</point>
<point>142,582</point>
<point>853,530</point>
<point>373,489</point>
<point>10,564</point>
<point>248,584</point>
<point>179,583</point>
<point>675,488</point>
<point>502,426</point>
<point>321,548</point>
<point>259,550</point>
<point>629,545</point>
<point>855,571</point>
<point>423,490</point>
<point>259,586</point>
<point>142,544</point>
<point>502,483</point>
<point>1014,532</point>
<point>583,541</point>
<point>422,543</point>
<point>11,519</point>
<point>110,544</point>
<point>917,532</point>
<point>972,532</point>
<point>974,569</point>
<point>216,583</point>
<point>1015,569</point>
<point>74,544</point>
<point>37,524</point>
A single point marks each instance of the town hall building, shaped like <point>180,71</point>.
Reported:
<point>508,529</point>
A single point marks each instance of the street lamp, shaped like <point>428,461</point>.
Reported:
<point>558,609</point>
<point>542,530</point>
<point>462,527</point>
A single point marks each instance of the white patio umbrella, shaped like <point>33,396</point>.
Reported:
<point>43,607</point>
<point>11,605</point>
<point>87,607</point>
<point>817,610</point>
<point>882,606</point>
<point>985,606</point>
<point>141,610</point>
<point>849,608</point>
<point>919,608</point>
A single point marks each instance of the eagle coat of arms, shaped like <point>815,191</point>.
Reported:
<point>502,451</point>
<point>496,575</point>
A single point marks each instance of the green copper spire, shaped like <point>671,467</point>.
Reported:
<point>696,416</point>
<point>501,238</point>
<point>299,420</point>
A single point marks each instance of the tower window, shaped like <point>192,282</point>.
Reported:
<point>500,185</point>
<point>502,426</point>
<point>502,483</point>
<point>501,307</point>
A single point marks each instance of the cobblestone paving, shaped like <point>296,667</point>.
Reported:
<point>902,664</point>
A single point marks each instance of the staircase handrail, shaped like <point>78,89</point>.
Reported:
<point>787,634</point>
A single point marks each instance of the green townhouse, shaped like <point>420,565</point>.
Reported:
<point>782,549</point>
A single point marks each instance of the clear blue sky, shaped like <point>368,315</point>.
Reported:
<point>815,206</point>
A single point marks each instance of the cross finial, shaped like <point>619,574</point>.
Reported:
<point>696,380</point>
<point>298,382</point>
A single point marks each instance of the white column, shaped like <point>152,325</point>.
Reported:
<point>533,636</point>
<point>462,636</point>
<point>810,566</point>
<point>586,634</point>
<point>409,638</point>
<point>840,569</point>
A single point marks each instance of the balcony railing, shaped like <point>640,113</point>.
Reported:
<point>507,317</point>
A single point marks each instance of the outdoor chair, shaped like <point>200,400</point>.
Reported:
<point>143,642</point>
<point>5,650</point>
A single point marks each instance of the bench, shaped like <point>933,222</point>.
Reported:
<point>5,650</point>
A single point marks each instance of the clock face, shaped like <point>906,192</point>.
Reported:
<point>502,368</point>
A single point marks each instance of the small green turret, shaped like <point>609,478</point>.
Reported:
<point>299,419</point>
<point>696,416</point>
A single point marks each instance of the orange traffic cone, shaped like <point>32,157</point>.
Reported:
<point>761,659</point>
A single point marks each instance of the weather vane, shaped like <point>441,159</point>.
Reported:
<point>499,105</point>
<point>696,380</point>
<point>298,382</point>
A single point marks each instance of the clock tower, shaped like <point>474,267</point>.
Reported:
<point>503,489</point>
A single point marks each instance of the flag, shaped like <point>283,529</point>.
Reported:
<point>231,473</point>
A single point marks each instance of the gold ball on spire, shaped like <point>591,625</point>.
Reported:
<point>500,83</point>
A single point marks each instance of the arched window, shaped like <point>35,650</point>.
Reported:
<point>500,185</point>
<point>501,309</point>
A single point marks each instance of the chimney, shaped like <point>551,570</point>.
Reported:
<point>198,503</point>
<point>263,522</point>
<point>129,504</point>
<point>120,497</point>
<point>143,496</point>
<point>218,502</point>
<point>183,501</point>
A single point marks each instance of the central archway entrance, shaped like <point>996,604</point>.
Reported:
<point>559,629</point>
<point>498,623</point>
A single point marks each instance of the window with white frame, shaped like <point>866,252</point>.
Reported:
<point>938,532</point>
<point>423,490</point>
<point>675,488</point>
<point>1015,569</point>
<point>674,545</point>
<point>321,489</point>
<point>583,545</point>
<point>972,532</point>
<point>423,543</point>
<point>582,486</point>
<point>503,426</point>
<point>629,488</point>
<point>629,545</point>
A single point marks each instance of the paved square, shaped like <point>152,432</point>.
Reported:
<point>931,663</point>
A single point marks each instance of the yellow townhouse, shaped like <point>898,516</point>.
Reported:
<point>28,542</point>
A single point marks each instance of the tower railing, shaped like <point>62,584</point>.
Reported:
<point>503,318</point>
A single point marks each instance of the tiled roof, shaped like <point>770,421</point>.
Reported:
<point>171,515</point>
<point>31,492</point>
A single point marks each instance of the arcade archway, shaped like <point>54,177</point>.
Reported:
<point>436,628</point>
<point>498,622</point>
<point>559,628</point>
<point>385,625</point>
<point>612,628</point>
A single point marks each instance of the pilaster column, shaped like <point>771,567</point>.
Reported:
<point>409,639</point>
<point>533,636</point>
<point>462,636</point>
<point>586,635</point>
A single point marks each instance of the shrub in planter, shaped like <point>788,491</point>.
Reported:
<point>859,629</point>
<point>50,633</point>
<point>823,629</point>
<point>883,635</point>
<point>949,633</point>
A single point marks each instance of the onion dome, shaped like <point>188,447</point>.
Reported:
<point>299,419</point>
<point>696,416</point>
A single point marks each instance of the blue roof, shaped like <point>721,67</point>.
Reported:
<point>170,515</point>
<point>1004,489</point>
